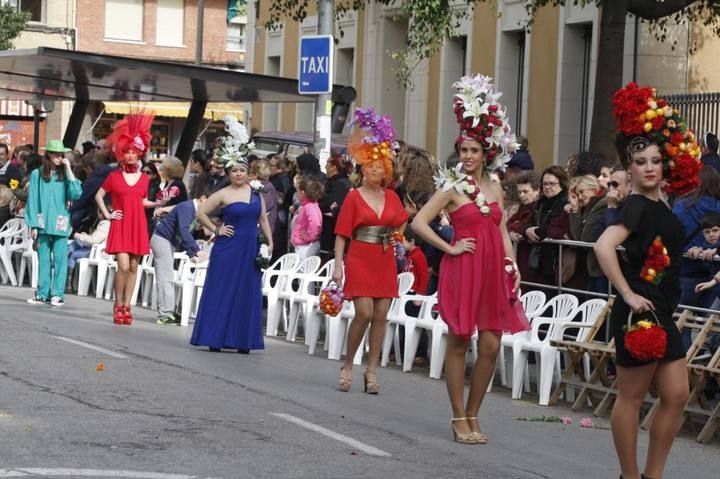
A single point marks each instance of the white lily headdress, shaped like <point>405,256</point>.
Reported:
<point>234,148</point>
<point>483,119</point>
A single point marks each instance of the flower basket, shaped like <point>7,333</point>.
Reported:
<point>331,299</point>
<point>646,339</point>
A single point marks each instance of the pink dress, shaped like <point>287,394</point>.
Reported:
<point>473,292</point>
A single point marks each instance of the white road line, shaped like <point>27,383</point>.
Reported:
<point>45,472</point>
<point>367,449</point>
<point>93,347</point>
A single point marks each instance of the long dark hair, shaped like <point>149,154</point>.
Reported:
<point>709,186</point>
<point>48,167</point>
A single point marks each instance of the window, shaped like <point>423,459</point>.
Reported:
<point>236,34</point>
<point>170,23</point>
<point>34,7</point>
<point>124,20</point>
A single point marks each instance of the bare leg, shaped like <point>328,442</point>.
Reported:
<point>358,326</point>
<point>488,347</point>
<point>633,385</point>
<point>130,278</point>
<point>377,332</point>
<point>455,378</point>
<point>671,380</point>
<point>123,268</point>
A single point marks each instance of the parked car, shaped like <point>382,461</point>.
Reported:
<point>293,143</point>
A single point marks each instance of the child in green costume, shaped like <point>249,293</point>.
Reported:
<point>52,187</point>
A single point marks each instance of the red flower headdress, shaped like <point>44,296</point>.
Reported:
<point>373,140</point>
<point>131,132</point>
<point>639,113</point>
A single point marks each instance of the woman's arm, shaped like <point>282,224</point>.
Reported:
<point>100,200</point>
<point>421,225</point>
<point>265,224</point>
<point>216,200</point>
<point>606,252</point>
<point>340,242</point>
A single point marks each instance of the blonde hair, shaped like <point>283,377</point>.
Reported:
<point>586,182</point>
<point>260,169</point>
<point>172,168</point>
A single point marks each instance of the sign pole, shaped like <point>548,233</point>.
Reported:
<point>323,102</point>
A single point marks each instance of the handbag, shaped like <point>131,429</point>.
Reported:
<point>646,339</point>
<point>331,299</point>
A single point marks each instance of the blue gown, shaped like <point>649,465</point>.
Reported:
<point>230,311</point>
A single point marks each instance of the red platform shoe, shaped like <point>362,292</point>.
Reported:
<point>128,315</point>
<point>118,314</point>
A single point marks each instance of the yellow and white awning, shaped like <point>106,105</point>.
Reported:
<point>213,111</point>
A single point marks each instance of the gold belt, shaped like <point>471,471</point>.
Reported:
<point>374,234</point>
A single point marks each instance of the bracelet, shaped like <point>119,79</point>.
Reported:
<point>217,230</point>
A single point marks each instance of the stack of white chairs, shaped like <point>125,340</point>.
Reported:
<point>533,304</point>
<point>580,318</point>
<point>10,235</point>
<point>292,288</point>
<point>338,325</point>
<point>397,317</point>
<point>305,301</point>
<point>192,291</point>
<point>94,268</point>
<point>26,259</point>
<point>275,280</point>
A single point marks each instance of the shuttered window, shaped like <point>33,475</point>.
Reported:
<point>124,19</point>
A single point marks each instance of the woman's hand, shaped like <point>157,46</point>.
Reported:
<point>160,211</point>
<point>225,230</point>
<point>65,162</point>
<point>515,237</point>
<point>517,281</point>
<point>115,215</point>
<point>637,303</point>
<point>531,234</point>
<point>465,245</point>
<point>705,285</point>
<point>337,275</point>
<point>33,234</point>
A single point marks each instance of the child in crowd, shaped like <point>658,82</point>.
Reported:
<point>710,223</point>
<point>174,233</point>
<point>53,187</point>
<point>415,261</point>
<point>308,223</point>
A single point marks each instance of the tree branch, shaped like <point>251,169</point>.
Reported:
<point>654,9</point>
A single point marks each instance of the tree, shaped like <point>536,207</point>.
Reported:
<point>12,22</point>
<point>434,21</point>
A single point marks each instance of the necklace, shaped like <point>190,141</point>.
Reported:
<point>464,184</point>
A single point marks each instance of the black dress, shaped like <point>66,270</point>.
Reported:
<point>647,219</point>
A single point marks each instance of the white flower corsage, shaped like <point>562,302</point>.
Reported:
<point>257,186</point>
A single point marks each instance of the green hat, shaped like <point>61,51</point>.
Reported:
<point>56,146</point>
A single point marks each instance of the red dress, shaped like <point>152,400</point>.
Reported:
<point>473,292</point>
<point>370,272</point>
<point>130,234</point>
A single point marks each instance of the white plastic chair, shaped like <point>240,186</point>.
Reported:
<point>532,302</point>
<point>398,317</point>
<point>191,292</point>
<point>286,295</point>
<point>306,299</point>
<point>96,262</point>
<point>280,272</point>
<point>10,235</point>
<point>549,359</point>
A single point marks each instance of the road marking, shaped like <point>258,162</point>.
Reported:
<point>40,471</point>
<point>367,449</point>
<point>112,354</point>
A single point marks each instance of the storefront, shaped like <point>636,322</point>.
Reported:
<point>169,121</point>
<point>16,123</point>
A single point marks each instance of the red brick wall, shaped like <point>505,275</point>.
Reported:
<point>91,33</point>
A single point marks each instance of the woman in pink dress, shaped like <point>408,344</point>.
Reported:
<point>478,274</point>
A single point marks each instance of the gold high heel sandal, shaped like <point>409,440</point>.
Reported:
<point>462,437</point>
<point>345,380</point>
<point>480,438</point>
<point>371,385</point>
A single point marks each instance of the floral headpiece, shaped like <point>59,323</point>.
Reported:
<point>234,148</point>
<point>375,140</point>
<point>640,115</point>
<point>483,119</point>
<point>131,132</point>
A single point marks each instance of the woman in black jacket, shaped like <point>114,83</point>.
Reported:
<point>336,189</point>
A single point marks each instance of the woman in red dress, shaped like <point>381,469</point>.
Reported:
<point>128,187</point>
<point>367,218</point>
<point>478,274</point>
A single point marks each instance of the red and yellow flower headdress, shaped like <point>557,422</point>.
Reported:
<point>373,140</point>
<point>641,115</point>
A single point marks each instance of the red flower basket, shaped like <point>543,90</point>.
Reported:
<point>645,339</point>
<point>331,299</point>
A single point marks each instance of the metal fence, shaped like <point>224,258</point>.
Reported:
<point>701,110</point>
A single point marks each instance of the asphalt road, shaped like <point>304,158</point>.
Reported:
<point>81,397</point>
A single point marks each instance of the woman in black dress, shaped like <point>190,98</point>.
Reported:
<point>645,222</point>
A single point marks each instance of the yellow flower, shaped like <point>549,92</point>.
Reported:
<point>650,114</point>
<point>651,272</point>
<point>644,324</point>
<point>14,184</point>
<point>647,127</point>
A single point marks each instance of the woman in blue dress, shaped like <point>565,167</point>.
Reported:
<point>230,311</point>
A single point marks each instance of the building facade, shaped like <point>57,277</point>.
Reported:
<point>547,75</point>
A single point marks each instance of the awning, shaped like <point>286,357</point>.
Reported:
<point>214,110</point>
